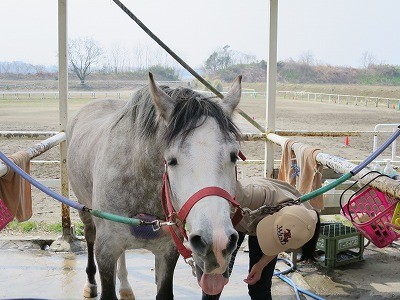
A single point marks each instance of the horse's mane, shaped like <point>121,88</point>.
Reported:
<point>191,111</point>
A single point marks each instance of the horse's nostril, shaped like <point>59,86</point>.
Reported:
<point>232,243</point>
<point>198,244</point>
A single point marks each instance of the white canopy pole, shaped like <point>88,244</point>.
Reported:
<point>63,109</point>
<point>271,85</point>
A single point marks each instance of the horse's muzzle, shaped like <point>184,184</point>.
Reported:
<point>213,254</point>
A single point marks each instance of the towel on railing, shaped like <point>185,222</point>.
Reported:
<point>310,175</point>
<point>300,168</point>
<point>286,171</point>
<point>16,191</point>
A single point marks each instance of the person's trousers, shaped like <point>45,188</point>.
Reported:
<point>262,289</point>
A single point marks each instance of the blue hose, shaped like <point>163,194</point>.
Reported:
<point>280,275</point>
<point>303,291</point>
<point>40,186</point>
<point>288,270</point>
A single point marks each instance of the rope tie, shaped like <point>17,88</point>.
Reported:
<point>269,209</point>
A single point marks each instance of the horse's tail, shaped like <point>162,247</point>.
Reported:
<point>308,249</point>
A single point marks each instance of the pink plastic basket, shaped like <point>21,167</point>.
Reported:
<point>369,211</point>
<point>5,215</point>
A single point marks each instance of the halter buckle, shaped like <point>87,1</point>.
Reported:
<point>156,224</point>
<point>190,262</point>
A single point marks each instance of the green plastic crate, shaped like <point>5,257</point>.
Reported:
<point>339,244</point>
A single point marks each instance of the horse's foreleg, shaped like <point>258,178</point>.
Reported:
<point>90,288</point>
<point>107,254</point>
<point>165,263</point>
<point>125,290</point>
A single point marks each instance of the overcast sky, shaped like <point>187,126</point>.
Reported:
<point>336,32</point>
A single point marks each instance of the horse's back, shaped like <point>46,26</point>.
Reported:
<point>84,135</point>
<point>92,113</point>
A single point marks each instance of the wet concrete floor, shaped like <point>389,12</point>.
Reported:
<point>48,275</point>
<point>33,273</point>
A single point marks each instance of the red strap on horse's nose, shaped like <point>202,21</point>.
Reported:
<point>207,191</point>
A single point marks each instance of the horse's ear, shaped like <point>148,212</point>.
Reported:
<point>163,103</point>
<point>232,98</point>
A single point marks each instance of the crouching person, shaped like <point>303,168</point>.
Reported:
<point>292,227</point>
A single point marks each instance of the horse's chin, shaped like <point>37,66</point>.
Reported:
<point>212,284</point>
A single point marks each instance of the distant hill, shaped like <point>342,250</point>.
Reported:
<point>289,72</point>
<point>20,67</point>
<point>301,73</point>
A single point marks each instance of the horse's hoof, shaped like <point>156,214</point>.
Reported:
<point>126,294</point>
<point>90,290</point>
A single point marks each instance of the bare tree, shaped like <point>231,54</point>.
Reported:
<point>6,67</point>
<point>307,58</point>
<point>118,58</point>
<point>39,69</point>
<point>83,54</point>
<point>139,56</point>
<point>367,60</point>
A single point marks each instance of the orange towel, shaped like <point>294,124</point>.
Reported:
<point>310,177</point>
<point>15,191</point>
<point>286,172</point>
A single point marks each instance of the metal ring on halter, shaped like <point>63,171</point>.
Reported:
<point>247,211</point>
<point>191,263</point>
<point>167,223</point>
<point>156,224</point>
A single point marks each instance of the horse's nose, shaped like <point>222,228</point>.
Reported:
<point>203,244</point>
<point>232,242</point>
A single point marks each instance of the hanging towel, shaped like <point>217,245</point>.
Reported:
<point>286,171</point>
<point>15,191</point>
<point>310,176</point>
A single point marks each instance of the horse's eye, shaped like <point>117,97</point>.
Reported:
<point>234,157</point>
<point>172,162</point>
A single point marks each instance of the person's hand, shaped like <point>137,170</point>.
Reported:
<point>254,274</point>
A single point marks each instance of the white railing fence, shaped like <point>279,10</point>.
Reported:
<point>342,99</point>
<point>355,100</point>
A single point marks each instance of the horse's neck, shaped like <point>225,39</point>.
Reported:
<point>144,152</point>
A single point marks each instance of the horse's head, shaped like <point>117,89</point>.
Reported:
<point>201,150</point>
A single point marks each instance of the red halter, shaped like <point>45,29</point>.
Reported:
<point>171,215</point>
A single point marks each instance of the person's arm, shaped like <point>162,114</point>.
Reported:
<point>256,270</point>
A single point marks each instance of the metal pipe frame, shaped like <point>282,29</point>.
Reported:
<point>38,149</point>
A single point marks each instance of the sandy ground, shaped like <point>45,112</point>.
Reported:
<point>291,115</point>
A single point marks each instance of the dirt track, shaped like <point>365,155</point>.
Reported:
<point>291,115</point>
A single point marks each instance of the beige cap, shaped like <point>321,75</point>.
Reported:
<point>289,228</point>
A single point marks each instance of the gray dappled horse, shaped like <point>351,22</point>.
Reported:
<point>115,162</point>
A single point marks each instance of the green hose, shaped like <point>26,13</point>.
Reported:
<point>115,218</point>
<point>325,188</point>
